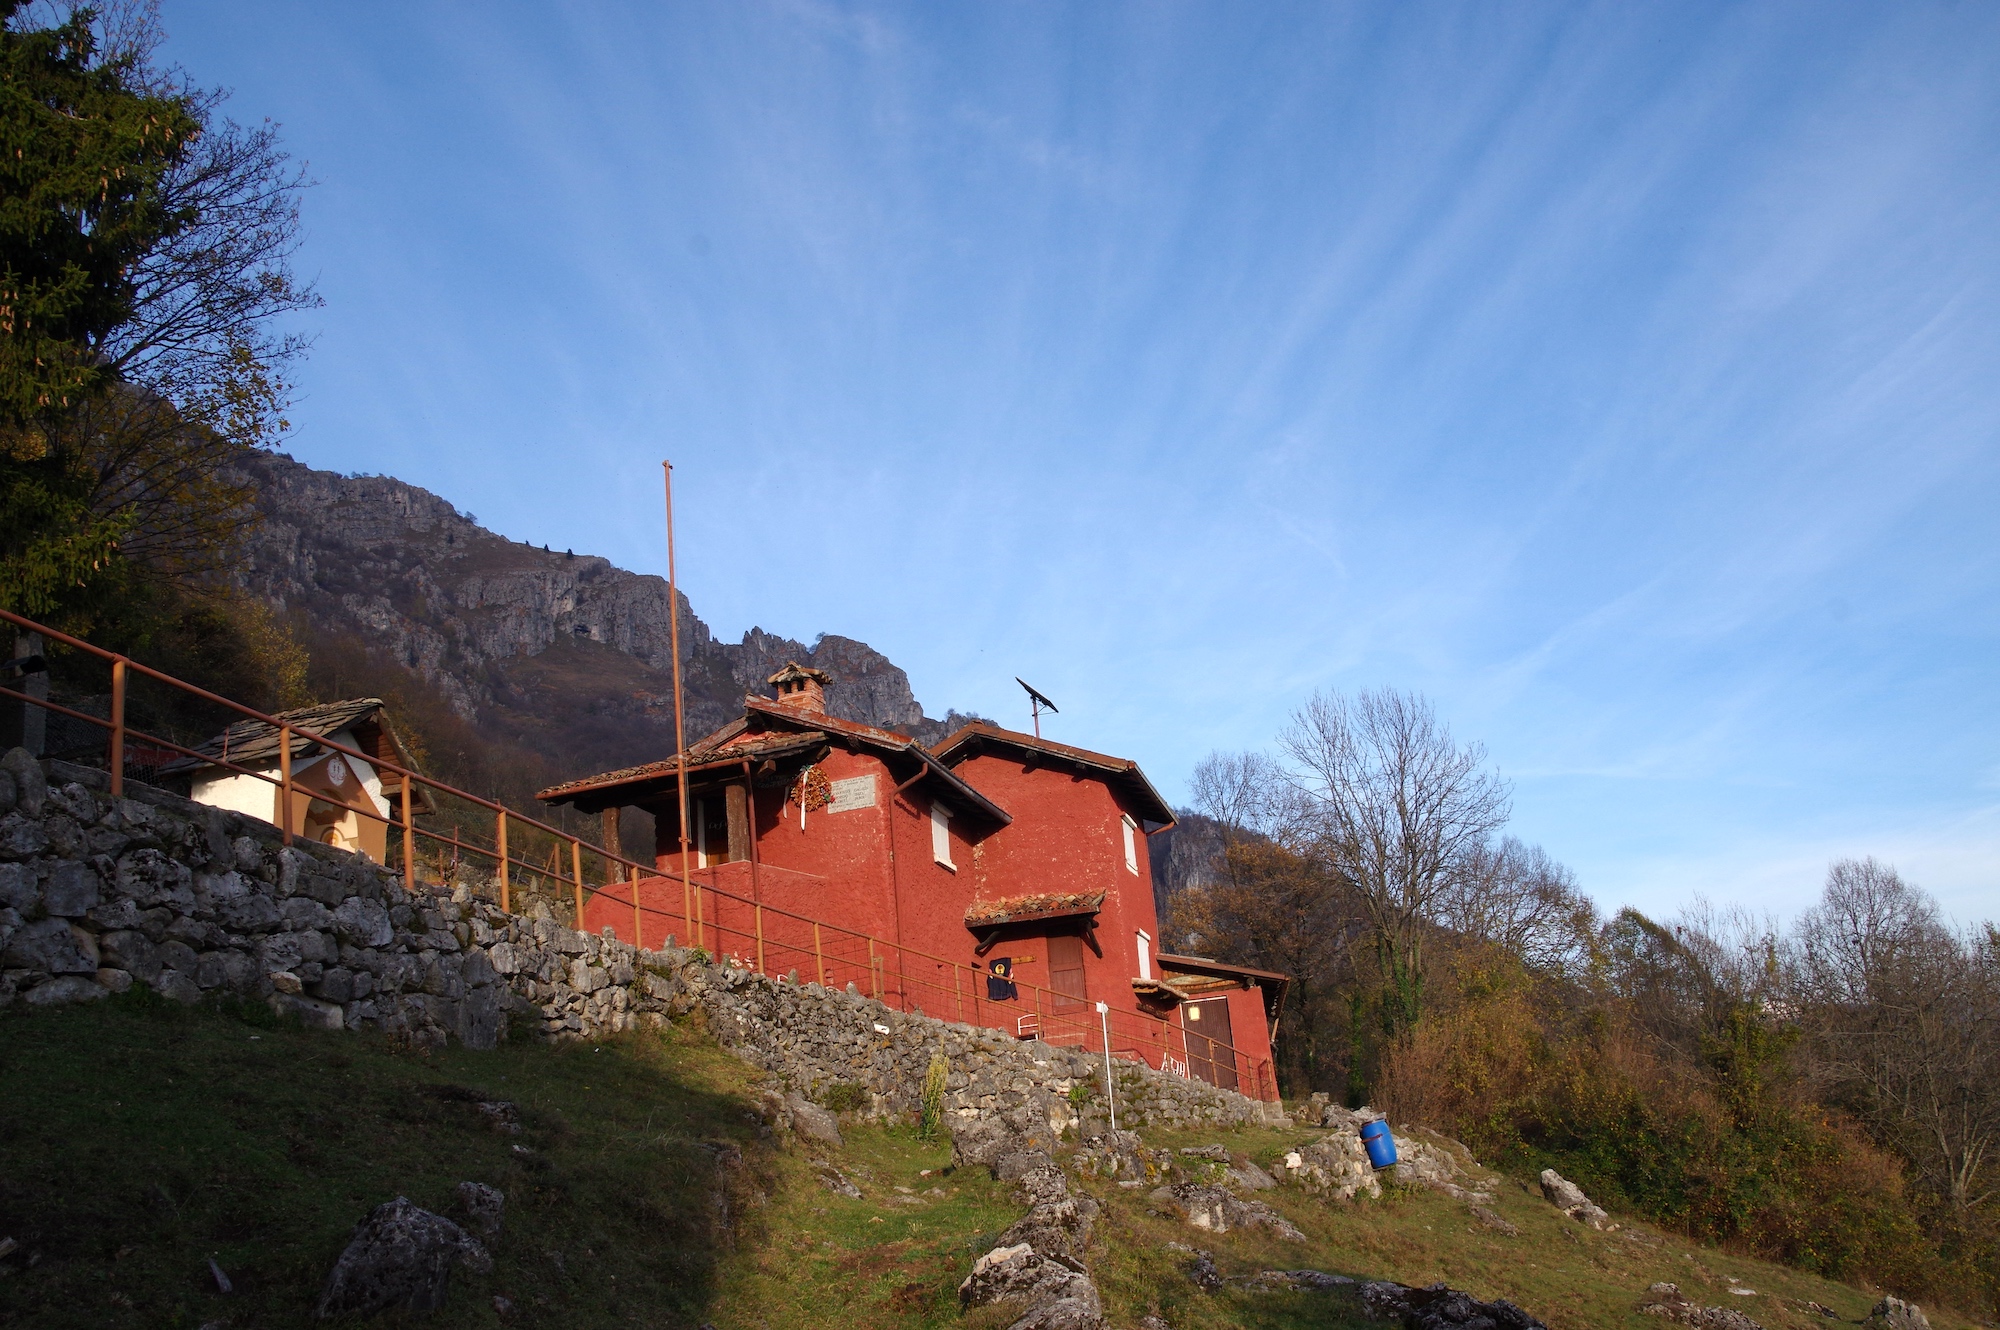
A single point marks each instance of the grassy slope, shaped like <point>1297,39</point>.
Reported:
<point>137,1140</point>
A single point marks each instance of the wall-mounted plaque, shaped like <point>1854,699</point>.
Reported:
<point>852,793</point>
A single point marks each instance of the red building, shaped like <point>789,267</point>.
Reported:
<point>1002,879</point>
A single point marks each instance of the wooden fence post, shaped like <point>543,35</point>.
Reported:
<point>576,873</point>
<point>638,917</point>
<point>409,834</point>
<point>284,785</point>
<point>117,727</point>
<point>500,834</point>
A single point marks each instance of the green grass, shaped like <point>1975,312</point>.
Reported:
<point>1571,1277</point>
<point>138,1139</point>
<point>893,1258</point>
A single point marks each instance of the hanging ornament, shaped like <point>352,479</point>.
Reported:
<point>812,791</point>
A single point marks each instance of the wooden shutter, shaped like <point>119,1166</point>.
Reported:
<point>736,801</point>
<point>941,835</point>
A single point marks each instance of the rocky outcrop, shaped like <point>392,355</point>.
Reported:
<point>1058,1223</point>
<point>1441,1308</point>
<point>400,1259</point>
<point>486,620</point>
<point>1120,1156</point>
<point>484,1207</point>
<point>1334,1167</point>
<point>812,1122</point>
<point>1567,1197</point>
<point>1215,1210</point>
<point>1895,1314</point>
<point>1669,1303</point>
<point>1050,1294</point>
<point>1310,1281</point>
<point>1036,1268</point>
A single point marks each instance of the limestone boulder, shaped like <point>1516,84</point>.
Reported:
<point>21,837</point>
<point>400,1258</point>
<point>1214,1210</point>
<point>1667,1302</point>
<point>1310,1281</point>
<point>1246,1176</point>
<point>1567,1197</point>
<point>65,989</point>
<point>1053,1294</point>
<point>1440,1308</point>
<point>981,1141</point>
<point>483,1208</point>
<point>72,890</point>
<point>30,786</point>
<point>812,1122</point>
<point>53,946</point>
<point>1895,1314</point>
<point>20,887</point>
<point>1334,1167</point>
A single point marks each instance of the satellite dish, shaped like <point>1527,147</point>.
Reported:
<point>1037,703</point>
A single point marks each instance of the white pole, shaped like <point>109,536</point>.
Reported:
<point>1110,1098</point>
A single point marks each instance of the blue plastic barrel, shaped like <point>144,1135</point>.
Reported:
<point>1381,1145</point>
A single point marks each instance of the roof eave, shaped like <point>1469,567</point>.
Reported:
<point>1114,769</point>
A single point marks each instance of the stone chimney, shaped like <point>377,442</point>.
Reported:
<point>801,688</point>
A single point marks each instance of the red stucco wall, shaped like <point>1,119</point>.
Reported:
<point>871,871</point>
<point>1066,837</point>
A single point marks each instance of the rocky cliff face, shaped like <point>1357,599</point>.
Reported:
<point>548,647</point>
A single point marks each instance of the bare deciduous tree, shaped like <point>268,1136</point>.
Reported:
<point>1399,811</point>
<point>1904,1022</point>
<point>1262,900</point>
<point>1520,899</point>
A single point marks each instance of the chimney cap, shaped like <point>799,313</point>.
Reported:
<point>794,673</point>
<point>802,688</point>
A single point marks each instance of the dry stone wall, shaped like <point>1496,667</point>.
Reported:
<point>100,894</point>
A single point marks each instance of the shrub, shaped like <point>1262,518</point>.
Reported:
<point>1715,1151</point>
<point>842,1096</point>
<point>935,1077</point>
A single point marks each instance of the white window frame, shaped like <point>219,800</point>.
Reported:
<point>701,833</point>
<point>1145,941</point>
<point>1131,830</point>
<point>941,835</point>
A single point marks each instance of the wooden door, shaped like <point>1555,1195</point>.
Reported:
<point>1066,972</point>
<point>1210,1045</point>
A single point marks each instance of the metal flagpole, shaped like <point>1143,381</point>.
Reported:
<point>680,733</point>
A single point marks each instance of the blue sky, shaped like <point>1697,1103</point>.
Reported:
<point>1624,377</point>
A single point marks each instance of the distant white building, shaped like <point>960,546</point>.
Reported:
<point>337,799</point>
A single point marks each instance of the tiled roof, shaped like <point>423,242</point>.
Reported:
<point>1119,771</point>
<point>790,730</point>
<point>1044,905</point>
<point>731,750</point>
<point>249,742</point>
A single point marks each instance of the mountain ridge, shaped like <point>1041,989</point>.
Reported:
<point>563,653</point>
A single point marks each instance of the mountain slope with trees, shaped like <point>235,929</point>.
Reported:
<point>1826,1094</point>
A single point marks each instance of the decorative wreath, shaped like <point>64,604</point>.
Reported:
<point>812,791</point>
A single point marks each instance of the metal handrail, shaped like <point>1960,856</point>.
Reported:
<point>1049,1005</point>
